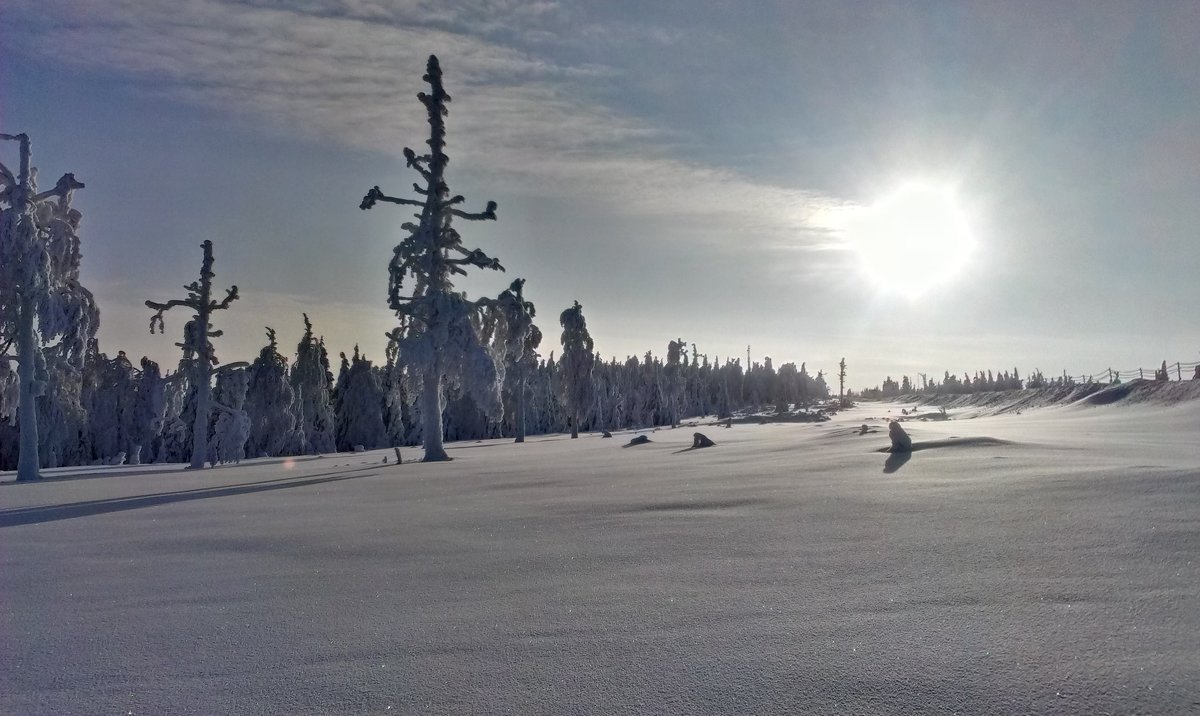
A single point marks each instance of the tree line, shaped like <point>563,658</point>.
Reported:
<point>454,368</point>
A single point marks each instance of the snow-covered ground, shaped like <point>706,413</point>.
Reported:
<point>790,569</point>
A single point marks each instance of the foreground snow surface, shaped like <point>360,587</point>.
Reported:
<point>790,569</point>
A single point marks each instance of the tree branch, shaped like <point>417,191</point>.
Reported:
<point>487,214</point>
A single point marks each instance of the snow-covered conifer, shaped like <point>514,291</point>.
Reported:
<point>269,399</point>
<point>109,395</point>
<point>577,364</point>
<point>197,348</point>
<point>313,385</point>
<point>673,379</point>
<point>436,337</point>
<point>360,406</point>
<point>521,340</point>
<point>231,426</point>
<point>42,302</point>
<point>149,410</point>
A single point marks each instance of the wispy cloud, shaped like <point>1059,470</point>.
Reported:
<point>347,70</point>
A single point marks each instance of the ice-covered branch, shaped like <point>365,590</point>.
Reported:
<point>488,214</point>
<point>66,184</point>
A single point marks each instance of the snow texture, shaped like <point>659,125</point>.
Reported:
<point>1048,569</point>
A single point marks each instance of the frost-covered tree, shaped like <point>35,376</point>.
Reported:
<point>577,364</point>
<point>359,405</point>
<point>231,424</point>
<point>673,379</point>
<point>269,399</point>
<point>149,410</point>
<point>521,339</point>
<point>313,386</point>
<point>197,348</point>
<point>46,315</point>
<point>436,337</point>
<point>109,396</point>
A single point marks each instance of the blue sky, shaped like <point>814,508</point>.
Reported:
<point>678,168</point>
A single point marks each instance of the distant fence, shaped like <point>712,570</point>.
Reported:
<point>1175,371</point>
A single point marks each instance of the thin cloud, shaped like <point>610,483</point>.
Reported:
<point>348,70</point>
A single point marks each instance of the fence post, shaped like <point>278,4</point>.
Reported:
<point>1178,371</point>
<point>1141,374</point>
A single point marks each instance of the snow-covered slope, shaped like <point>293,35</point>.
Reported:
<point>789,569</point>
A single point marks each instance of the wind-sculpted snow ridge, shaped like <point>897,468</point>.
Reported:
<point>1082,395</point>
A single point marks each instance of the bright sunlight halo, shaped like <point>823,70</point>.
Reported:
<point>912,239</point>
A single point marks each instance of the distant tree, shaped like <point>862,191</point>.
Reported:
<point>820,388</point>
<point>521,340</point>
<point>842,382</point>
<point>197,348</point>
<point>436,336</point>
<point>312,385</point>
<point>47,317</point>
<point>269,402</point>
<point>673,379</point>
<point>149,410</point>
<point>109,396</point>
<point>231,426</point>
<point>360,406</point>
<point>578,362</point>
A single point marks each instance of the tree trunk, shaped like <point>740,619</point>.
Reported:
<point>431,416</point>
<point>574,424</point>
<point>200,426</point>
<point>27,460</point>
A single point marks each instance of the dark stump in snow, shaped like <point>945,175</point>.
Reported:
<point>638,440</point>
<point>863,429</point>
<point>606,434</point>
<point>700,440</point>
<point>901,442</point>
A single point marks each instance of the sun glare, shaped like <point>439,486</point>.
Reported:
<point>912,239</point>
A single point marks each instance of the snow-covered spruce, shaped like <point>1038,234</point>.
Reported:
<point>230,424</point>
<point>521,340</point>
<point>436,338</point>
<point>47,318</point>
<point>358,405</point>
<point>197,348</point>
<point>269,403</point>
<point>578,362</point>
<point>312,384</point>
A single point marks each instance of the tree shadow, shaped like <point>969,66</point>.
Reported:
<point>52,513</point>
<point>91,472</point>
<point>895,461</point>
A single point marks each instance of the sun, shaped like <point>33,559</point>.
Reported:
<point>912,239</point>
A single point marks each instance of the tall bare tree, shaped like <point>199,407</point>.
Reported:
<point>197,348</point>
<point>437,338</point>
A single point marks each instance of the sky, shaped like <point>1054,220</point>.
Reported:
<point>682,169</point>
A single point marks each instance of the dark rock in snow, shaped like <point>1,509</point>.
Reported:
<point>606,434</point>
<point>901,442</point>
<point>638,440</point>
<point>700,440</point>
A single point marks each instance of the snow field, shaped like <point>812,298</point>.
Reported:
<point>781,571</point>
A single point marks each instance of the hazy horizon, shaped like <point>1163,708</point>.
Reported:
<point>682,170</point>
